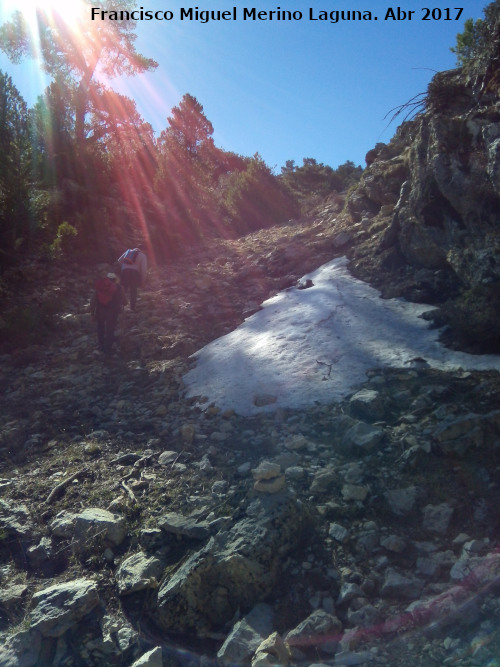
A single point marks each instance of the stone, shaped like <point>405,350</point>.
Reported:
<point>266,470</point>
<point>324,480</point>
<point>137,573</point>
<point>348,592</point>
<point>366,616</point>
<point>355,492</point>
<point>187,433</point>
<point>367,404</point>
<point>394,543</point>
<point>60,607</point>
<point>98,524</point>
<point>317,629</point>
<point>167,458</point>
<point>184,526</point>
<point>398,586</point>
<point>274,485</point>
<point>14,519</point>
<point>152,658</point>
<point>401,501</point>
<point>21,649</point>
<point>296,442</point>
<point>272,651</point>
<point>246,636</point>
<point>362,438</point>
<point>236,568</point>
<point>437,518</point>
<point>12,599</point>
<point>338,532</point>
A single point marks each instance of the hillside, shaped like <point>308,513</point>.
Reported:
<point>137,529</point>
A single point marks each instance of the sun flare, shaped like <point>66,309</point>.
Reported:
<point>68,10</point>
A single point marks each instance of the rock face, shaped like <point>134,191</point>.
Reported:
<point>427,209</point>
<point>236,569</point>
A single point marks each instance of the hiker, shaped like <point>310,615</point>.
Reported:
<point>133,271</point>
<point>107,302</point>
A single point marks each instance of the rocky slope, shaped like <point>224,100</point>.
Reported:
<point>137,530</point>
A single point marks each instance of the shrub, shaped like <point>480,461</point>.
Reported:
<point>61,245</point>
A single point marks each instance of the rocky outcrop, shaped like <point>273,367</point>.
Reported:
<point>426,211</point>
<point>235,570</point>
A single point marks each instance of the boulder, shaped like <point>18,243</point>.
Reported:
<point>235,570</point>
<point>60,607</point>
<point>138,572</point>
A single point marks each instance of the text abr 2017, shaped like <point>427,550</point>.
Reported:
<point>428,14</point>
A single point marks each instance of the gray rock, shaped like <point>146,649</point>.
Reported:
<point>346,658</point>
<point>167,458</point>
<point>317,629</point>
<point>272,651</point>
<point>394,543</point>
<point>21,649</point>
<point>354,492</point>
<point>63,524</point>
<point>152,658</point>
<point>455,607</point>
<point>12,600</point>
<point>437,518</point>
<point>401,501</point>
<point>362,438</point>
<point>137,573</point>
<point>246,636</point>
<point>14,519</point>
<point>237,568</point>
<point>324,480</point>
<point>62,606</point>
<point>367,404</point>
<point>348,592</point>
<point>295,473</point>
<point>95,523</point>
<point>400,587</point>
<point>366,616</point>
<point>338,532</point>
<point>185,526</point>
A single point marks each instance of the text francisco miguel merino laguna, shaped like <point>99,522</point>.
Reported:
<point>278,14</point>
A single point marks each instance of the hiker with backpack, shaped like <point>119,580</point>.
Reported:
<point>133,272</point>
<point>107,302</point>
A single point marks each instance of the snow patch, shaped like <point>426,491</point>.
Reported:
<point>313,346</point>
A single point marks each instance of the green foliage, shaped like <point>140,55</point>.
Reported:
<point>104,45</point>
<point>468,41</point>
<point>318,179</point>
<point>477,47</point>
<point>62,243</point>
<point>187,161</point>
<point>16,187</point>
<point>254,198</point>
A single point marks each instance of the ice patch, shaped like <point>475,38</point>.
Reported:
<point>309,347</point>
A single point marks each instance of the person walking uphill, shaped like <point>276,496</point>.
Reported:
<point>133,271</point>
<point>107,302</point>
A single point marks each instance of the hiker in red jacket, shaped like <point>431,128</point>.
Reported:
<point>107,302</point>
<point>133,272</point>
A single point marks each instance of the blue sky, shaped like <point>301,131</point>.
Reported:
<point>286,89</point>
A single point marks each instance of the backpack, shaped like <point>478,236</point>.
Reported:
<point>130,256</point>
<point>105,289</point>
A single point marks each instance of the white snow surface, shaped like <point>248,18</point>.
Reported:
<point>313,346</point>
